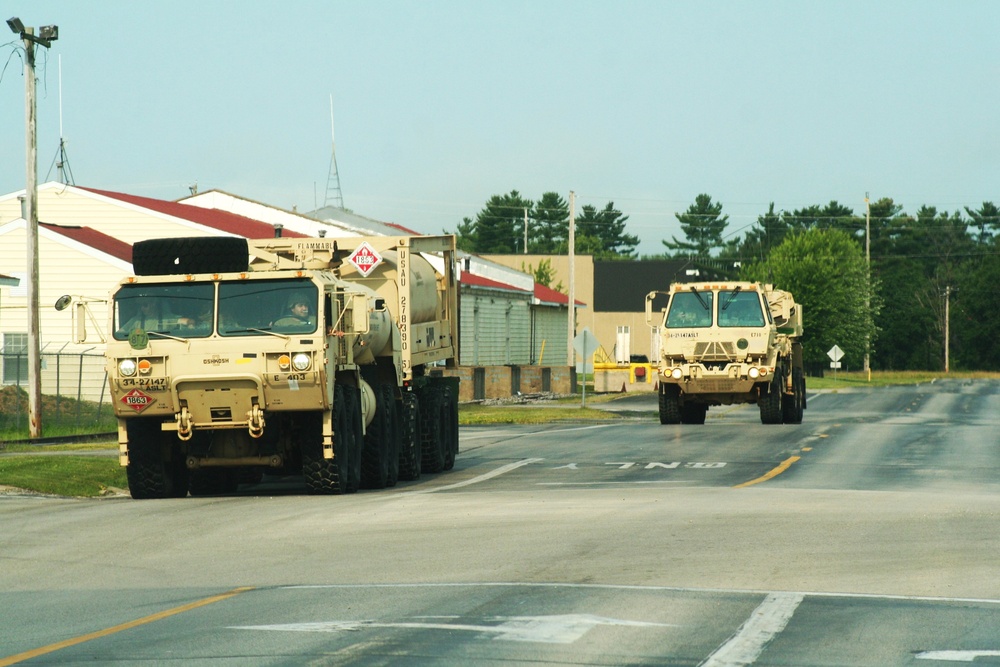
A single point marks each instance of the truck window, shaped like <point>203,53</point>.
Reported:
<point>183,310</point>
<point>248,307</point>
<point>740,309</point>
<point>689,309</point>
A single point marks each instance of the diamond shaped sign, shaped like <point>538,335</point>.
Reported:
<point>365,258</point>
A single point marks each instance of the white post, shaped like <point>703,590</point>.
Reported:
<point>571,327</point>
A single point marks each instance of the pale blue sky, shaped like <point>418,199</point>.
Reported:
<point>440,105</point>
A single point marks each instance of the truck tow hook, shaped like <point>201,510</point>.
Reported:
<point>256,419</point>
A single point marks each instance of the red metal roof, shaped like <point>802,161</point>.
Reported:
<point>479,281</point>
<point>95,239</point>
<point>541,292</point>
<point>210,217</point>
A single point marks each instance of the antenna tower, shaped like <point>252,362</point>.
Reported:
<point>61,160</point>
<point>334,196</point>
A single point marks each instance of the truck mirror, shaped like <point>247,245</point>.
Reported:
<point>80,326</point>
<point>359,314</point>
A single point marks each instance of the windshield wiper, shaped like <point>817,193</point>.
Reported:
<point>256,330</point>
<point>732,296</point>
<point>704,304</point>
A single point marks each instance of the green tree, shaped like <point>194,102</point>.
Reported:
<point>544,274</point>
<point>601,233</point>
<point>703,225</point>
<point>465,235</point>
<point>499,226</point>
<point>549,226</point>
<point>825,271</point>
<point>986,219</point>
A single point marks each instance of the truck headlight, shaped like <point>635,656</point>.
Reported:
<point>301,361</point>
<point>127,367</point>
<point>754,373</point>
<point>676,374</point>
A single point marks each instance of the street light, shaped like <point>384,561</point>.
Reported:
<point>47,34</point>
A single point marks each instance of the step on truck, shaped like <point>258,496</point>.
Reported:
<point>232,358</point>
<point>728,343</point>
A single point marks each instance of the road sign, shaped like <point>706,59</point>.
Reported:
<point>585,343</point>
<point>835,353</point>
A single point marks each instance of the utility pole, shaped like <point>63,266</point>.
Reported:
<point>47,34</point>
<point>947,324</point>
<point>525,230</point>
<point>571,327</point>
<point>868,285</point>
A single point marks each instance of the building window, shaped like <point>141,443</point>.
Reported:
<point>14,354</point>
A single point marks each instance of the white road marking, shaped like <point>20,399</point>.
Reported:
<point>956,656</point>
<point>641,587</point>
<point>475,480</point>
<point>562,629</point>
<point>766,622</point>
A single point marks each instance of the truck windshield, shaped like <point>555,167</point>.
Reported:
<point>183,310</point>
<point>689,309</point>
<point>249,307</point>
<point>740,309</point>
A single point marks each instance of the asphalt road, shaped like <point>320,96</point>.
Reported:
<point>867,535</point>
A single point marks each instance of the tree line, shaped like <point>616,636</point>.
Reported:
<point>891,307</point>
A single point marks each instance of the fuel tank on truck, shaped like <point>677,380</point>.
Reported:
<point>423,285</point>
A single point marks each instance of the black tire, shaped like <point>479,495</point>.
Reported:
<point>670,404</point>
<point>214,481</point>
<point>201,254</point>
<point>693,413</point>
<point>770,401</point>
<point>449,427</point>
<point>376,456</point>
<point>793,405</point>
<point>356,422</point>
<point>392,407</point>
<point>155,469</point>
<point>328,476</point>
<point>432,450</point>
<point>409,437</point>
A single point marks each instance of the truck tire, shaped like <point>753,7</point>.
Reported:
<point>432,450</point>
<point>154,470</point>
<point>770,401</point>
<point>392,435</point>
<point>793,405</point>
<point>670,404</point>
<point>329,476</point>
<point>375,456</point>
<point>200,254</point>
<point>449,430</point>
<point>409,437</point>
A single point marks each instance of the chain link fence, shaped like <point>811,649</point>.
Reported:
<point>75,397</point>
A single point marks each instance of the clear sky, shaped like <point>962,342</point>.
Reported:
<point>440,105</point>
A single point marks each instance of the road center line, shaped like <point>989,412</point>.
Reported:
<point>770,474</point>
<point>475,480</point>
<point>73,641</point>
<point>766,622</point>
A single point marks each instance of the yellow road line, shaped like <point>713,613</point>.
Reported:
<point>51,648</point>
<point>770,474</point>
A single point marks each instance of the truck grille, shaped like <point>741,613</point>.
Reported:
<point>714,351</point>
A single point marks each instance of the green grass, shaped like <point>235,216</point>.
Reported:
<point>63,475</point>
<point>469,415</point>
<point>886,378</point>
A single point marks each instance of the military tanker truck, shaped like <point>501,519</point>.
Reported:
<point>231,358</point>
<point>728,343</point>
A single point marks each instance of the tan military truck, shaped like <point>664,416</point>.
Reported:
<point>728,343</point>
<point>229,358</point>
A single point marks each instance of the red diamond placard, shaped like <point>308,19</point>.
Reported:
<point>137,400</point>
<point>365,258</point>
